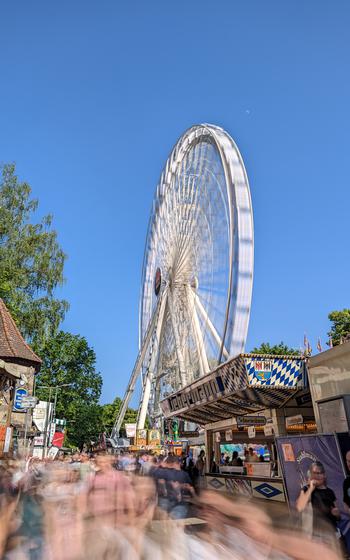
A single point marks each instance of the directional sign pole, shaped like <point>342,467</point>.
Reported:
<point>25,434</point>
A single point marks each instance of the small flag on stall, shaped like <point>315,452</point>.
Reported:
<point>319,346</point>
<point>330,342</point>
<point>306,342</point>
<point>309,349</point>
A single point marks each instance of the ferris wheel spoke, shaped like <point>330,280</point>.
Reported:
<point>177,340</point>
<point>209,324</point>
<point>198,335</point>
<point>148,378</point>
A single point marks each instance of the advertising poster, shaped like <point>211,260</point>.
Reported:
<point>297,453</point>
<point>142,437</point>
<point>154,437</point>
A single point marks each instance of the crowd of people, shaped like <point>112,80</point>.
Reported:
<point>125,507</point>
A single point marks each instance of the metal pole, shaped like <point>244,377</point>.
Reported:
<point>55,403</point>
<point>46,432</point>
<point>25,434</point>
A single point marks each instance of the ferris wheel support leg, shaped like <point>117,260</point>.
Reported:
<point>211,327</point>
<point>180,358</point>
<point>137,367</point>
<point>146,391</point>
<point>203,360</point>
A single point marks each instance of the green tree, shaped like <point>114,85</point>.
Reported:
<point>87,425</point>
<point>68,360</point>
<point>110,413</point>
<point>276,350</point>
<point>340,325</point>
<point>31,261</point>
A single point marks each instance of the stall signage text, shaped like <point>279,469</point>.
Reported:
<point>197,395</point>
<point>243,421</point>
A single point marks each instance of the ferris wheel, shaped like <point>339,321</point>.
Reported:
<point>197,271</point>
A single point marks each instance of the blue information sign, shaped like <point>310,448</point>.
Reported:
<point>17,403</point>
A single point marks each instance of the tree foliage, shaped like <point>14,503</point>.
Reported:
<point>110,413</point>
<point>31,261</point>
<point>276,350</point>
<point>68,360</point>
<point>340,325</point>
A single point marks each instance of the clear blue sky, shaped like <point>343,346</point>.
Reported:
<point>94,95</point>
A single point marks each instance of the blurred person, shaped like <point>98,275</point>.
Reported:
<point>236,461</point>
<point>179,489</point>
<point>27,527</point>
<point>159,476</point>
<point>251,457</point>
<point>239,530</point>
<point>318,501</point>
<point>147,464</point>
<point>109,492</point>
<point>198,471</point>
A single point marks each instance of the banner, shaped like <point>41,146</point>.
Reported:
<point>297,453</point>
<point>130,430</point>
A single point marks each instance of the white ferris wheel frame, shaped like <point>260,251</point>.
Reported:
<point>241,268</point>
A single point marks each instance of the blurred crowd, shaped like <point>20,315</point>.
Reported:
<point>132,507</point>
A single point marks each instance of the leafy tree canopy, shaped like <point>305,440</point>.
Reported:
<point>276,349</point>
<point>31,261</point>
<point>110,413</point>
<point>340,325</point>
<point>68,360</point>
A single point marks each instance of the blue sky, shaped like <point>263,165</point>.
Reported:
<point>94,95</point>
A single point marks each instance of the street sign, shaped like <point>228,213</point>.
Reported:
<point>17,403</point>
<point>29,402</point>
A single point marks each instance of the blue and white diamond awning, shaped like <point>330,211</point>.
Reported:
<point>243,385</point>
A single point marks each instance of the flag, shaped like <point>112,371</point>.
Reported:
<point>309,349</point>
<point>319,346</point>
<point>306,342</point>
<point>330,342</point>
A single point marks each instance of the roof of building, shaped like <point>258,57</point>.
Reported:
<point>13,347</point>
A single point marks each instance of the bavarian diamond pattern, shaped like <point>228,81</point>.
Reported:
<point>267,490</point>
<point>216,483</point>
<point>284,373</point>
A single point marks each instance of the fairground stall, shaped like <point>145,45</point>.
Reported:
<point>243,405</point>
